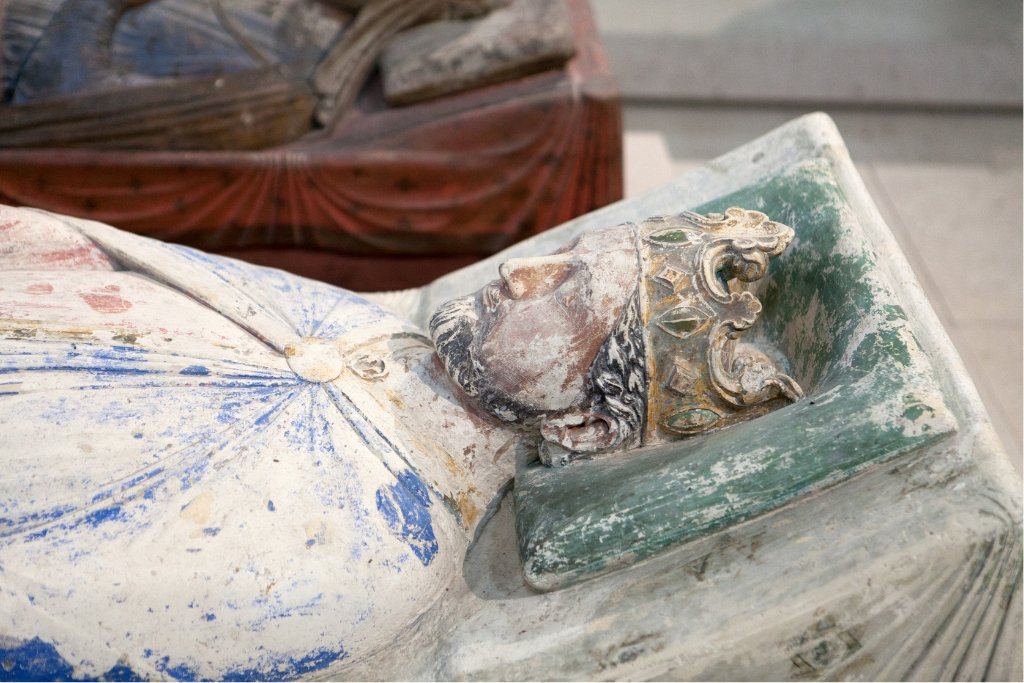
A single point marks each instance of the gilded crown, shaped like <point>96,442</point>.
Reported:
<point>694,306</point>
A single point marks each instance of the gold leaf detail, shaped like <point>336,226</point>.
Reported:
<point>682,321</point>
<point>691,421</point>
<point>671,277</point>
<point>681,377</point>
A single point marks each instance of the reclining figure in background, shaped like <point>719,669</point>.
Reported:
<point>216,470</point>
<point>248,74</point>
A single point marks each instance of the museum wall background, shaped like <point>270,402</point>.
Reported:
<point>927,94</point>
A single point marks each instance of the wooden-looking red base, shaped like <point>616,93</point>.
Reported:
<point>417,190</point>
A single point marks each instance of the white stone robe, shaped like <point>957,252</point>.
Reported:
<point>177,497</point>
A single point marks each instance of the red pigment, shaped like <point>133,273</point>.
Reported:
<point>41,288</point>
<point>106,303</point>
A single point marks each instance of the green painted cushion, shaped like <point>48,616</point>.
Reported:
<point>871,396</point>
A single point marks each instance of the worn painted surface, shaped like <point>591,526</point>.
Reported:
<point>443,57</point>
<point>207,468</point>
<point>871,395</point>
<point>910,570</point>
<point>703,374</point>
<point>522,345</point>
<point>416,189</point>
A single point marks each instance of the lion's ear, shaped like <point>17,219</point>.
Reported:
<point>575,431</point>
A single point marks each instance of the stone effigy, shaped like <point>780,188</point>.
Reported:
<point>191,122</point>
<point>244,74</point>
<point>659,359</point>
<point>237,428</point>
<point>218,470</point>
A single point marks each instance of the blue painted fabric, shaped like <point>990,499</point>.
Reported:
<point>175,500</point>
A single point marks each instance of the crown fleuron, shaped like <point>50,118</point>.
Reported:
<point>701,376</point>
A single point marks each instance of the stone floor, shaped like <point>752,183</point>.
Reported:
<point>948,184</point>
